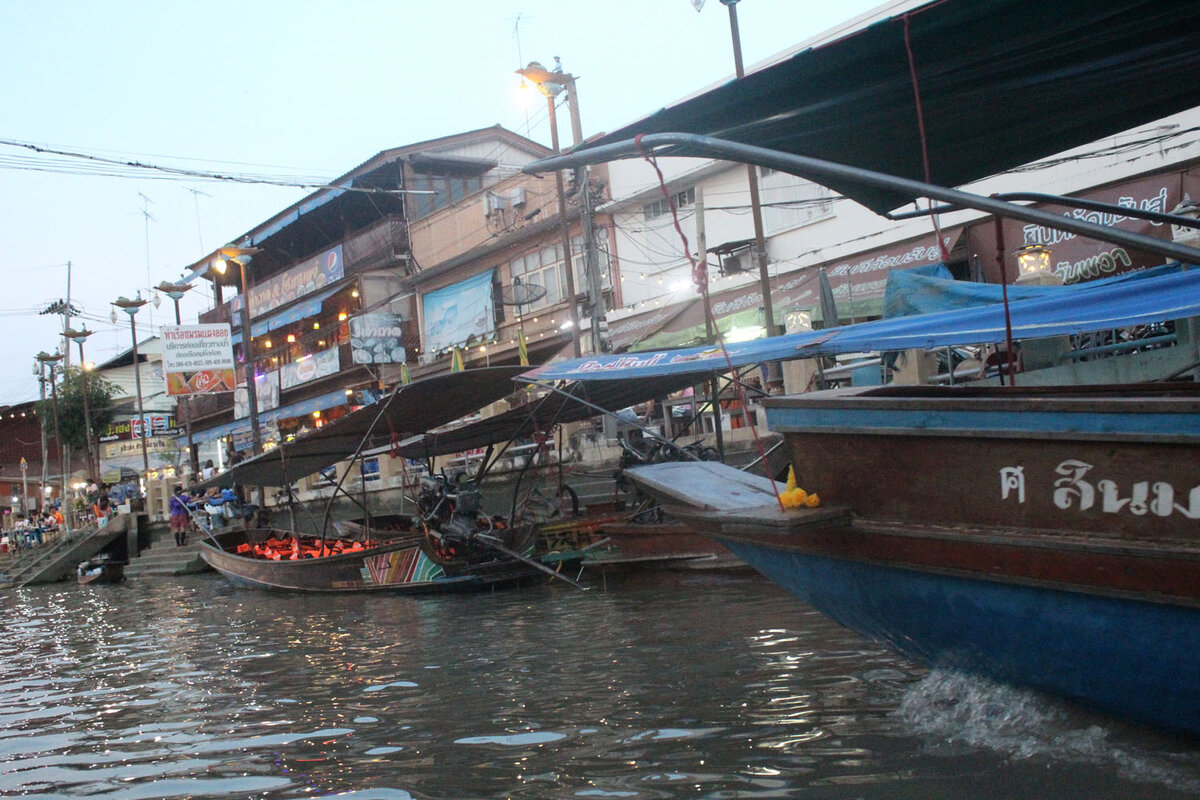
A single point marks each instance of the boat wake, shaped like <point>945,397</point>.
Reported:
<point>966,711</point>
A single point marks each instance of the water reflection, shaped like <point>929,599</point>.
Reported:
<point>658,687</point>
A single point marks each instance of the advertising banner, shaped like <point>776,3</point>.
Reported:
<point>198,359</point>
<point>302,280</point>
<point>456,312</point>
<point>159,425</point>
<point>266,392</point>
<point>125,449</point>
<point>377,339</point>
<point>309,368</point>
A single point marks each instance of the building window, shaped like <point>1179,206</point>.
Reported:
<point>446,189</point>
<point>660,207</point>
<point>789,201</point>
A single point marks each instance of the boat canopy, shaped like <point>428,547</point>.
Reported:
<point>410,409</point>
<point>1001,82</point>
<point>575,401</point>
<point>1082,308</point>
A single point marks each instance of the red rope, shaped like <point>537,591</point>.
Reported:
<point>916,84</point>
<point>700,278</point>
<point>1009,355</point>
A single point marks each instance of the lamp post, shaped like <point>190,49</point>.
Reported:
<point>551,84</point>
<point>240,255</point>
<point>176,291</point>
<point>79,337</point>
<point>50,360</point>
<point>131,307</point>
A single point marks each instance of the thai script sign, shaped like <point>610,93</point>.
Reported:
<point>1079,258</point>
<point>309,368</point>
<point>1073,491</point>
<point>309,276</point>
<point>198,359</point>
<point>129,448</point>
<point>158,425</point>
<point>377,339</point>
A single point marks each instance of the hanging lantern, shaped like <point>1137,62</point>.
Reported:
<point>1033,259</point>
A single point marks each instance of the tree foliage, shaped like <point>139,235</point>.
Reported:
<point>100,394</point>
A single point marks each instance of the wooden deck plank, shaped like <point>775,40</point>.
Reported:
<point>706,485</point>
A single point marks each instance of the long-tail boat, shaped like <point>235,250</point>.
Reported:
<point>448,544</point>
<point>1044,536</point>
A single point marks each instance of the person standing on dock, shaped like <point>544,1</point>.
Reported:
<point>179,516</point>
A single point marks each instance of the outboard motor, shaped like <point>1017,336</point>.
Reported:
<point>464,521</point>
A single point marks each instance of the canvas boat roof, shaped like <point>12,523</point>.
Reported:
<point>1001,82</point>
<point>410,409</point>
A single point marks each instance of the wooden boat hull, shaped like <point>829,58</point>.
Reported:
<point>618,544</point>
<point>407,565</point>
<point>1048,538</point>
<point>1044,537</point>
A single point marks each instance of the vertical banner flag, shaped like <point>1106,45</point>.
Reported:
<point>456,360</point>
<point>522,347</point>
<point>405,376</point>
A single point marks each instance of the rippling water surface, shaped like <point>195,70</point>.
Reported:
<point>658,686</point>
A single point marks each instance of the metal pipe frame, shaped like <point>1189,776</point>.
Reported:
<point>1060,200</point>
<point>818,170</point>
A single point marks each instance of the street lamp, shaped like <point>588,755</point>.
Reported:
<point>176,291</point>
<point>239,256</point>
<point>50,360</point>
<point>131,307</point>
<point>551,84</point>
<point>79,337</point>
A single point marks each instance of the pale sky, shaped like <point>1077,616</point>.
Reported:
<point>288,90</point>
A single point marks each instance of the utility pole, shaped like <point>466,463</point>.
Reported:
<point>45,449</point>
<point>760,242</point>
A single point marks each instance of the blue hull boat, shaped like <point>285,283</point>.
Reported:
<point>1046,537</point>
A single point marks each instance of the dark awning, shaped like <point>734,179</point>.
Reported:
<point>1002,83</point>
<point>553,409</point>
<point>411,409</point>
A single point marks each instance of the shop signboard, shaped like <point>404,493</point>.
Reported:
<point>198,359</point>
<point>309,368</point>
<point>377,339</point>
<point>266,392</point>
<point>1078,259</point>
<point>158,425</point>
<point>310,276</point>
<point>127,448</point>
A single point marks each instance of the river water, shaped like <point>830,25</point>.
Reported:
<point>654,686</point>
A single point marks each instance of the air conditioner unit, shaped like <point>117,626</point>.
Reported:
<point>426,358</point>
<point>732,264</point>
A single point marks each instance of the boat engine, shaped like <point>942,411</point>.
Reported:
<point>451,507</point>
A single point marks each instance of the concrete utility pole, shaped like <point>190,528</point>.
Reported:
<point>551,83</point>
<point>760,241</point>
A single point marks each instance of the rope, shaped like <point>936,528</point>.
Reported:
<point>700,279</point>
<point>916,84</point>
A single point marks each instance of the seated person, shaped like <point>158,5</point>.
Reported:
<point>214,505</point>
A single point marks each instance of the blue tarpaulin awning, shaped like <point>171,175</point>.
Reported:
<point>1100,305</point>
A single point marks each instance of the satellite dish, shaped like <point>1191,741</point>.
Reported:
<point>521,294</point>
